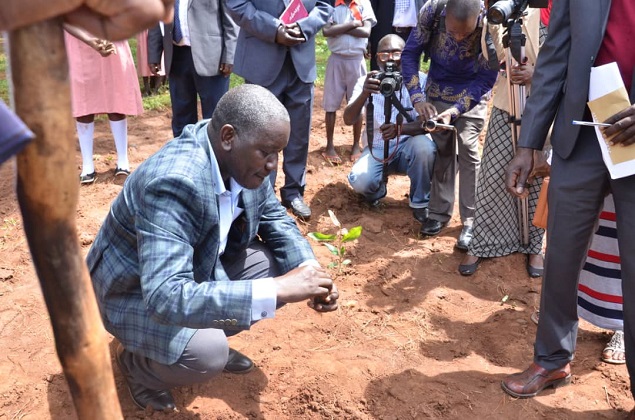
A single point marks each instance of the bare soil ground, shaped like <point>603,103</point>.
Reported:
<point>413,339</point>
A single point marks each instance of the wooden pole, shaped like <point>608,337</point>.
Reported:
<point>48,188</point>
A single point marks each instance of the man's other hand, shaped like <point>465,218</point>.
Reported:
<point>622,126</point>
<point>289,36</point>
<point>426,111</point>
<point>306,282</point>
<point>518,171</point>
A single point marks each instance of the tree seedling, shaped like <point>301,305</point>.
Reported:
<point>335,242</point>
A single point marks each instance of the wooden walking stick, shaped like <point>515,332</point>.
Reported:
<point>47,190</point>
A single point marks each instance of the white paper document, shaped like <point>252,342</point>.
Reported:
<point>607,96</point>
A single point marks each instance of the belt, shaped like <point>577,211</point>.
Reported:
<point>402,29</point>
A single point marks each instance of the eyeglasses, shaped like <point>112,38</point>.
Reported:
<point>384,56</point>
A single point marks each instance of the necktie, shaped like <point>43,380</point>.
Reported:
<point>176,33</point>
<point>402,5</point>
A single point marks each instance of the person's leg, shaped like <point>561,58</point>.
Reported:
<point>333,94</point>
<point>366,177</point>
<point>119,129</point>
<point>577,188</point>
<point>210,89</point>
<point>623,190</point>
<point>182,90</point>
<point>416,159</point>
<point>207,352</point>
<point>146,86</point>
<point>298,99</point>
<point>85,132</point>
<point>442,184</point>
<point>469,127</point>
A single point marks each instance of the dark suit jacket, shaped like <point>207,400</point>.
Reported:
<point>213,36</point>
<point>258,58</point>
<point>560,85</point>
<point>155,265</point>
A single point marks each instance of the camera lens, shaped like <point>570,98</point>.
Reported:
<point>388,86</point>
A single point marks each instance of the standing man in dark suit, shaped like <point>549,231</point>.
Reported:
<point>582,34</point>
<point>199,56</point>
<point>393,17</point>
<point>281,57</point>
<point>197,248</point>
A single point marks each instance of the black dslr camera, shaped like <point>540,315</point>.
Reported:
<point>390,79</point>
<point>502,11</point>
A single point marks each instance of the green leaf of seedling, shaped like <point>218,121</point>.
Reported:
<point>332,248</point>
<point>346,262</point>
<point>352,234</point>
<point>332,264</point>
<point>342,251</point>
<point>321,237</point>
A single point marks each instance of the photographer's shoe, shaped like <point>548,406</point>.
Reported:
<point>421,214</point>
<point>431,227</point>
<point>298,207</point>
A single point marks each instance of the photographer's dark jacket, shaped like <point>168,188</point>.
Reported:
<point>457,75</point>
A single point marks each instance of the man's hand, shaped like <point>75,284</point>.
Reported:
<point>119,19</point>
<point>622,126</point>
<point>325,304</point>
<point>426,111</point>
<point>289,35</point>
<point>306,282</point>
<point>521,74</point>
<point>445,117</point>
<point>371,84</point>
<point>226,69</point>
<point>388,131</point>
<point>518,171</point>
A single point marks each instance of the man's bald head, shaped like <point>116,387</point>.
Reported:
<point>390,42</point>
<point>463,10</point>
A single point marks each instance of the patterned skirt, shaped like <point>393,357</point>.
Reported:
<point>600,286</point>
<point>496,227</point>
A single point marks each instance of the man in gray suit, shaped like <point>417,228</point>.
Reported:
<point>197,247</point>
<point>199,51</point>
<point>582,34</point>
<point>281,57</point>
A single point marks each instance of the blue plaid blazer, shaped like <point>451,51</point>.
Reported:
<point>155,265</point>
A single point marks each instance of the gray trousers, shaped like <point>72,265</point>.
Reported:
<point>205,355</point>
<point>297,98</point>
<point>469,127</point>
<point>577,189</point>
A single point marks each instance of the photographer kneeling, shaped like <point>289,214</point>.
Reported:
<point>411,151</point>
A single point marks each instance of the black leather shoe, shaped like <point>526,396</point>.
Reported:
<point>238,363</point>
<point>298,207</point>
<point>159,400</point>
<point>469,269</point>
<point>420,214</point>
<point>432,227</point>
<point>464,238</point>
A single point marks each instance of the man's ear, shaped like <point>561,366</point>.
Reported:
<point>227,136</point>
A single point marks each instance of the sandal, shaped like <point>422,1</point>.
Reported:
<point>615,346</point>
<point>333,160</point>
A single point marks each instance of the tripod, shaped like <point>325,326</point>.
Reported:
<point>514,43</point>
<point>389,101</point>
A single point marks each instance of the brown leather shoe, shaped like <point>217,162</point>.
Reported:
<point>534,379</point>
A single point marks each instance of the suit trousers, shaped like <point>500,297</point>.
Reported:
<point>186,84</point>
<point>205,355</point>
<point>297,98</point>
<point>468,128</point>
<point>577,189</point>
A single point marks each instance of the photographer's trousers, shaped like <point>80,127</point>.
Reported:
<point>468,128</point>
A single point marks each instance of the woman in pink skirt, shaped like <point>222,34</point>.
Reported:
<point>103,81</point>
